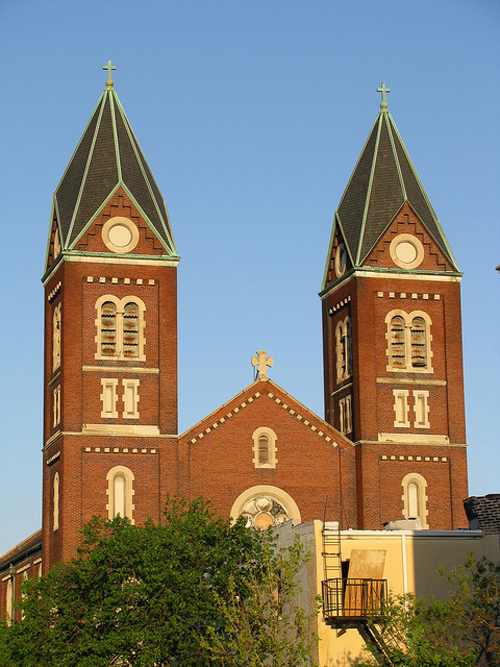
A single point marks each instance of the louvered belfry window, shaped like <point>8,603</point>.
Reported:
<point>108,329</point>
<point>418,343</point>
<point>120,324</point>
<point>398,342</point>
<point>131,330</point>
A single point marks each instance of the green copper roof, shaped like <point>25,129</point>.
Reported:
<point>108,156</point>
<point>383,179</point>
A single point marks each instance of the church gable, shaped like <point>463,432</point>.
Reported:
<point>265,447</point>
<point>407,245</point>
<point>120,229</point>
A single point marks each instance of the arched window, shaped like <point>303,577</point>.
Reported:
<point>264,447</point>
<point>131,330</point>
<point>264,506</point>
<point>108,329</point>
<point>418,343</point>
<point>56,338</point>
<point>408,337</point>
<point>120,492</point>
<point>56,502</point>
<point>8,600</point>
<point>415,498</point>
<point>120,328</point>
<point>398,342</point>
<point>343,349</point>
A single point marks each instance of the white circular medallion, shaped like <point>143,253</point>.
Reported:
<point>406,251</point>
<point>120,234</point>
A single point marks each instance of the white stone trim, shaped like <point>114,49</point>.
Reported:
<point>414,439</point>
<point>414,478</point>
<point>281,496</point>
<point>120,305</point>
<point>401,408</point>
<point>109,398</point>
<point>421,408</point>
<point>271,451</point>
<point>128,491</point>
<point>130,399</point>
<point>120,429</point>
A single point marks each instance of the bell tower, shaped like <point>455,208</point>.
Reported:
<point>392,340</point>
<point>110,377</point>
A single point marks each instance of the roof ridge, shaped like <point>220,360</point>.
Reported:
<point>137,153</point>
<point>369,189</point>
<point>87,166</point>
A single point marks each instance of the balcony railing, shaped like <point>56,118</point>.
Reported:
<point>353,599</point>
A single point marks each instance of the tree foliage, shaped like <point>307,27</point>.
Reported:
<point>461,631</point>
<point>152,595</point>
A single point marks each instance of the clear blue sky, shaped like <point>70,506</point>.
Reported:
<point>252,116</point>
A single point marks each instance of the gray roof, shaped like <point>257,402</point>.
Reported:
<point>383,179</point>
<point>107,157</point>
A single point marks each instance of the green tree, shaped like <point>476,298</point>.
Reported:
<point>461,631</point>
<point>268,625</point>
<point>149,595</point>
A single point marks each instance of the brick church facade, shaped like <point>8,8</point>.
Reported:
<point>392,443</point>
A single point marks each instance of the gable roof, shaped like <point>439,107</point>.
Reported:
<point>108,156</point>
<point>256,390</point>
<point>383,179</point>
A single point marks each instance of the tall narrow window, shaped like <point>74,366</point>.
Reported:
<point>398,342</point>
<point>264,447</point>
<point>418,343</point>
<point>9,600</point>
<point>56,338</point>
<point>108,329</point>
<point>56,502</point>
<point>131,330</point>
<point>263,450</point>
<point>120,492</point>
<point>119,484</point>
<point>415,498</point>
<point>56,405</point>
<point>413,504</point>
<point>343,350</point>
<point>348,414</point>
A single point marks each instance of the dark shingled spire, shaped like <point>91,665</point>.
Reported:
<point>383,179</point>
<point>108,156</point>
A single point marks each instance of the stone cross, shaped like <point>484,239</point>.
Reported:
<point>383,90</point>
<point>262,361</point>
<point>109,67</point>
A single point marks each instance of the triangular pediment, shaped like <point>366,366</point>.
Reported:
<point>261,395</point>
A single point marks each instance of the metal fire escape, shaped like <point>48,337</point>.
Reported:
<point>352,603</point>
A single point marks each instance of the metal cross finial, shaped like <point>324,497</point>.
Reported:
<point>383,90</point>
<point>109,67</point>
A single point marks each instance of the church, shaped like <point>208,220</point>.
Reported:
<point>392,440</point>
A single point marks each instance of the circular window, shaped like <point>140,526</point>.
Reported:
<point>407,251</point>
<point>120,234</point>
<point>340,260</point>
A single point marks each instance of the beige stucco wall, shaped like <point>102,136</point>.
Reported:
<point>412,563</point>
